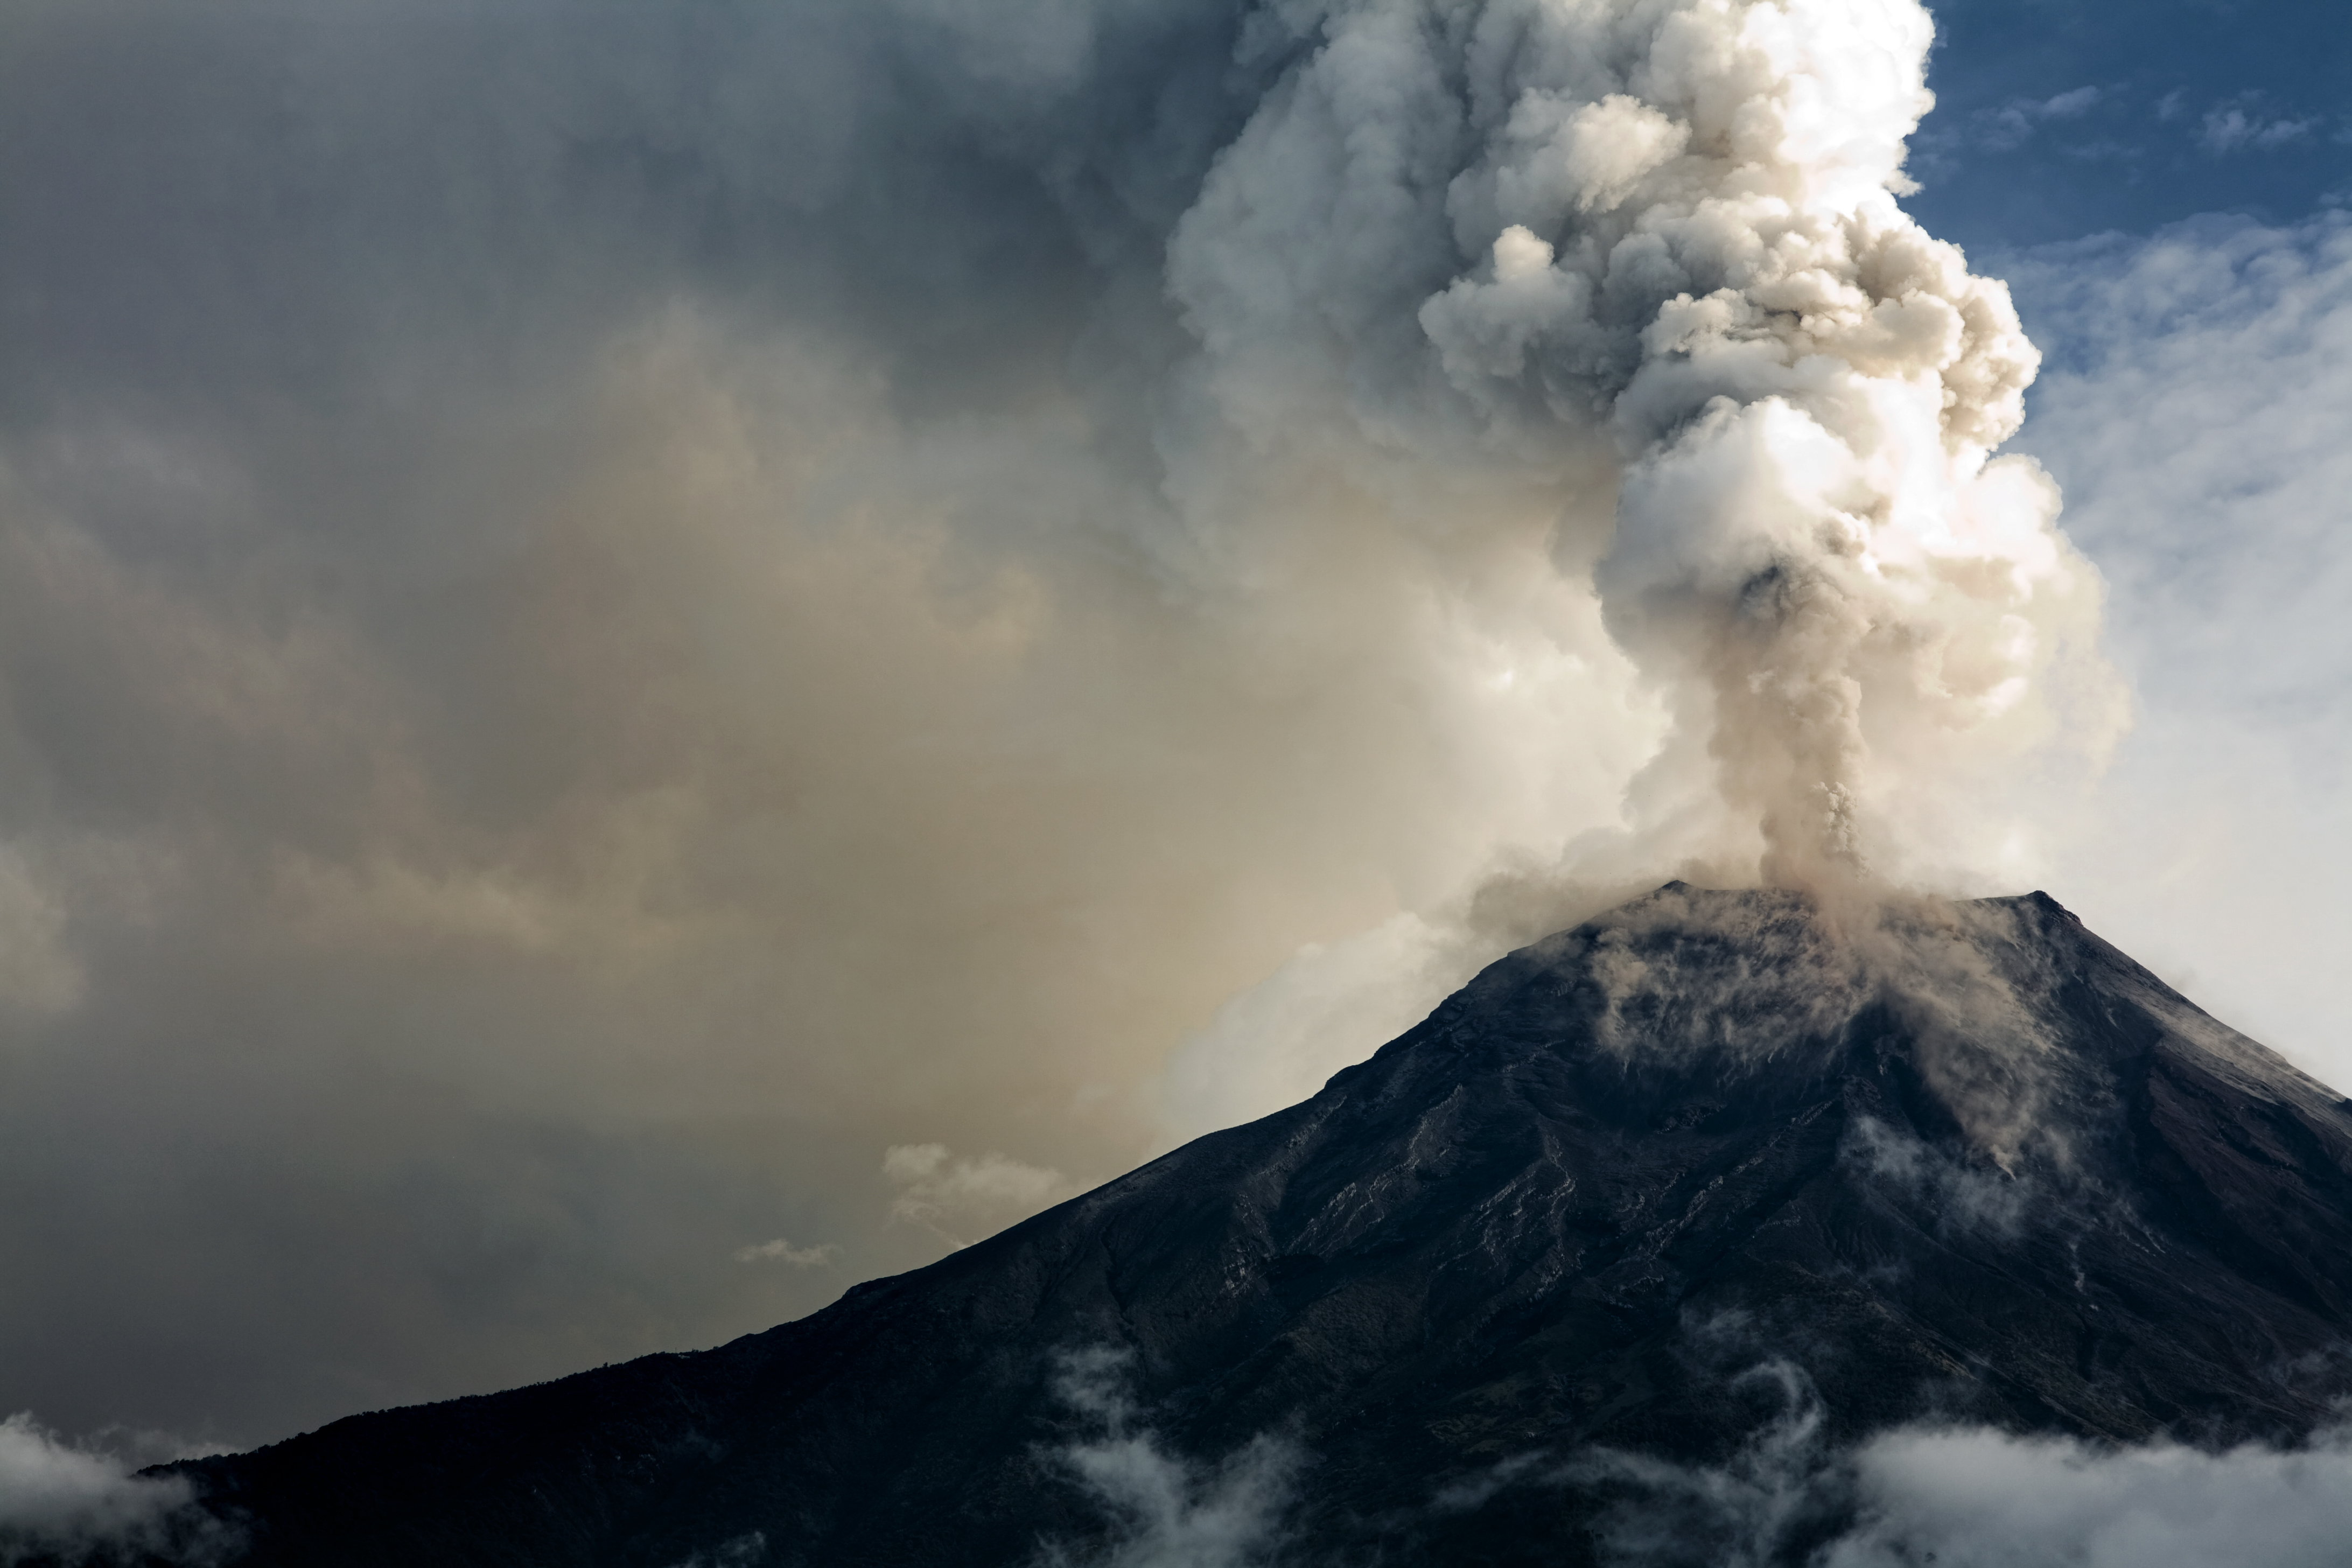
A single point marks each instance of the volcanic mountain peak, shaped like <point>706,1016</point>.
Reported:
<point>1963,1159</point>
<point>2014,1016</point>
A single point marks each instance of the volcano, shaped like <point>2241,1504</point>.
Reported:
<point>1962,1160</point>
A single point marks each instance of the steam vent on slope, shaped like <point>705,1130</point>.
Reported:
<point>1698,1189</point>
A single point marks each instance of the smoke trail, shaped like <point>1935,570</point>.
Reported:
<point>574,543</point>
<point>1682,241</point>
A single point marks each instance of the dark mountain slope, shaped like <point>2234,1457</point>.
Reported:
<point>1959,1159</point>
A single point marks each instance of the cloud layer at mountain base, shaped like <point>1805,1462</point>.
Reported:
<point>1975,1498</point>
<point>1960,1496</point>
<point>62,1502</point>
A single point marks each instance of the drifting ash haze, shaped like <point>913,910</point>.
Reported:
<point>609,615</point>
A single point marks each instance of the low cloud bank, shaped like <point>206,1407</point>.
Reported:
<point>1984,1499</point>
<point>1167,1511</point>
<point>1958,1497</point>
<point>63,1502</point>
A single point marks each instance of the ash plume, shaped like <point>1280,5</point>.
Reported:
<point>1674,239</point>
<point>603,613</point>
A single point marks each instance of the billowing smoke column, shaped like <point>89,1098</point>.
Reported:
<point>572,541</point>
<point>1683,238</point>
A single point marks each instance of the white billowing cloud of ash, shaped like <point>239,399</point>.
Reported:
<point>1685,256</point>
<point>605,615</point>
<point>1677,285</point>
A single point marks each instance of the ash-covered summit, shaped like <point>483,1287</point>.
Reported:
<point>1959,1161</point>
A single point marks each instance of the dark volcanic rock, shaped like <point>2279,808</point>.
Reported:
<point>1960,1160</point>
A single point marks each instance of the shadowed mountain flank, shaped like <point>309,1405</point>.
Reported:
<point>1956,1161</point>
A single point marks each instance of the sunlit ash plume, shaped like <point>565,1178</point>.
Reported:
<point>1687,243</point>
<point>895,604</point>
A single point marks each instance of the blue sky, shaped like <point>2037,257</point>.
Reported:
<point>2058,118</point>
